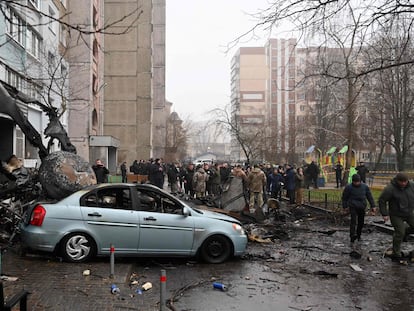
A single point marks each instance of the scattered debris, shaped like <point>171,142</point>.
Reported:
<point>9,278</point>
<point>327,232</point>
<point>355,267</point>
<point>115,289</point>
<point>86,272</point>
<point>255,238</point>
<point>220,286</point>
<point>147,286</point>
<point>356,255</point>
<point>301,309</point>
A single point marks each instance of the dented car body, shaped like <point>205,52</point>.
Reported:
<point>135,219</point>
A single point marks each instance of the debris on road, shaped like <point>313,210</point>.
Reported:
<point>355,267</point>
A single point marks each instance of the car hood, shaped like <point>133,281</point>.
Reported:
<point>218,216</point>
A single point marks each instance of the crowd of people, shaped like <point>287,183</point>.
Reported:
<point>260,181</point>
<point>194,181</point>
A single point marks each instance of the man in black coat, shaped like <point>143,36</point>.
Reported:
<point>124,172</point>
<point>313,172</point>
<point>156,174</point>
<point>338,174</point>
<point>362,171</point>
<point>354,198</point>
<point>101,172</point>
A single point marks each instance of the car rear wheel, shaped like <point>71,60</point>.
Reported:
<point>78,247</point>
<point>216,249</point>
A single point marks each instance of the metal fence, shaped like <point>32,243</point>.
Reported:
<point>326,200</point>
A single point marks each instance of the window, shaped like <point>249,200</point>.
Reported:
<point>33,43</point>
<point>51,59</point>
<point>155,202</point>
<point>33,90</point>
<point>52,20</point>
<point>302,107</point>
<point>14,79</point>
<point>300,143</point>
<point>14,26</point>
<point>118,198</point>
<point>149,201</point>
<point>365,155</point>
<point>63,71</point>
<point>62,35</point>
<point>35,3</point>
<point>252,96</point>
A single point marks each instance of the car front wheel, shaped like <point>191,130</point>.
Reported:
<point>216,249</point>
<point>78,247</point>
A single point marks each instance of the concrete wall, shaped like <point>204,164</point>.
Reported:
<point>135,77</point>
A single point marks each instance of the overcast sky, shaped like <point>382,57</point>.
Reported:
<point>197,67</point>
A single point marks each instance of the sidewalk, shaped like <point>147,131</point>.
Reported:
<point>61,286</point>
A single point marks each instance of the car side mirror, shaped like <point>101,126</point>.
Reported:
<point>186,211</point>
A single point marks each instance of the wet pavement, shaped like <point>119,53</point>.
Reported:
<point>308,267</point>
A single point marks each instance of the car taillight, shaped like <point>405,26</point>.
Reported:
<point>38,215</point>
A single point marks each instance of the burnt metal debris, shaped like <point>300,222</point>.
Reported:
<point>60,174</point>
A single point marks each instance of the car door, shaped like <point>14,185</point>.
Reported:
<point>163,227</point>
<point>109,216</point>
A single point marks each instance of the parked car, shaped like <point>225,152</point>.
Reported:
<point>137,219</point>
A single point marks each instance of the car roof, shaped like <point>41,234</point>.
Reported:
<point>106,185</point>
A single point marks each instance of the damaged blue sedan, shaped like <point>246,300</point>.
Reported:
<point>136,219</point>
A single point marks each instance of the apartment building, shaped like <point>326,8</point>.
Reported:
<point>135,107</point>
<point>31,60</point>
<point>85,50</point>
<point>264,98</point>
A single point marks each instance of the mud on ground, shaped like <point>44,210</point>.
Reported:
<point>304,261</point>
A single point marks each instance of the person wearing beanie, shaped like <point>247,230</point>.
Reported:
<point>396,203</point>
<point>354,199</point>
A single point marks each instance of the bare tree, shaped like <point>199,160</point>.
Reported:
<point>251,138</point>
<point>311,18</point>
<point>393,89</point>
<point>124,23</point>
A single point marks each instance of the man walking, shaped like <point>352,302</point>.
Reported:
<point>354,198</point>
<point>396,203</point>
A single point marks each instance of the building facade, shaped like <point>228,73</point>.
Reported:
<point>32,60</point>
<point>135,107</point>
<point>249,73</point>
<point>264,99</point>
<point>85,49</point>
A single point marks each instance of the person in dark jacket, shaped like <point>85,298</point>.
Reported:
<point>354,198</point>
<point>101,172</point>
<point>313,171</point>
<point>188,180</point>
<point>362,171</point>
<point>290,183</point>
<point>275,182</point>
<point>338,174</point>
<point>124,172</point>
<point>156,174</point>
<point>173,177</point>
<point>396,203</point>
<point>134,167</point>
